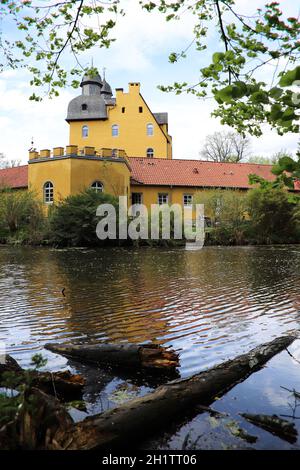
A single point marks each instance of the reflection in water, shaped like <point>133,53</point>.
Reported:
<point>209,305</point>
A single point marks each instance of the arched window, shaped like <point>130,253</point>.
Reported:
<point>150,153</point>
<point>150,129</point>
<point>97,186</point>
<point>48,192</point>
<point>115,130</point>
<point>85,131</point>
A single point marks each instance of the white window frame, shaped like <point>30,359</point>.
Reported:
<point>150,129</point>
<point>163,198</point>
<point>85,131</point>
<point>97,186</point>
<point>48,192</point>
<point>115,130</point>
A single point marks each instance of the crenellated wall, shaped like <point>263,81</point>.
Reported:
<point>71,172</point>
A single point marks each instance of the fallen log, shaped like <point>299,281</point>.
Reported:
<point>143,416</point>
<point>145,356</point>
<point>63,385</point>
<point>275,425</point>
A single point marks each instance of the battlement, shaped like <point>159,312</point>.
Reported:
<point>75,151</point>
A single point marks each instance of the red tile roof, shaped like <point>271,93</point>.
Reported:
<point>163,172</point>
<point>16,177</point>
<point>159,171</point>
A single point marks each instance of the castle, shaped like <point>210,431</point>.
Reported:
<point>119,146</point>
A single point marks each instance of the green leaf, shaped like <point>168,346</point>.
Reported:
<point>276,112</point>
<point>290,77</point>
<point>217,57</point>
<point>260,97</point>
<point>275,93</point>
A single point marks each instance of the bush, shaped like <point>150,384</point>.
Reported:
<point>227,210</point>
<point>274,215</point>
<point>21,217</point>
<point>73,222</point>
<point>267,214</point>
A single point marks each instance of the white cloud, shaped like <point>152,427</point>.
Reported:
<point>21,119</point>
<point>140,53</point>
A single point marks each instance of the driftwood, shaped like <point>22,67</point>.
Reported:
<point>275,425</point>
<point>147,356</point>
<point>143,416</point>
<point>63,385</point>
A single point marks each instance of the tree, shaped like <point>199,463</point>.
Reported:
<point>288,169</point>
<point>272,160</point>
<point>225,147</point>
<point>4,163</point>
<point>274,215</point>
<point>247,47</point>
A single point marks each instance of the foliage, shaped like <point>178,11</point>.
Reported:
<point>272,160</point>
<point>227,211</point>
<point>21,216</point>
<point>225,147</point>
<point>264,215</point>
<point>16,385</point>
<point>288,169</point>
<point>45,32</point>
<point>273,215</point>
<point>263,41</point>
<point>73,221</point>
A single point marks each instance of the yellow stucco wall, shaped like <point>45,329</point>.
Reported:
<point>150,193</point>
<point>115,176</point>
<point>72,175</point>
<point>57,171</point>
<point>132,124</point>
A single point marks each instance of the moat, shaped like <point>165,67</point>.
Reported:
<point>209,305</point>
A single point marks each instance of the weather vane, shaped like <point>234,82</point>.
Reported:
<point>32,144</point>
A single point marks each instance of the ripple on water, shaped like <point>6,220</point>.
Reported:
<point>209,305</point>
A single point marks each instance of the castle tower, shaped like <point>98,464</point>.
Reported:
<point>98,119</point>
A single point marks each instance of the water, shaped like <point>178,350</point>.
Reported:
<point>209,305</point>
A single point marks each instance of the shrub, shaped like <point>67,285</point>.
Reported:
<point>227,210</point>
<point>274,215</point>
<point>73,221</point>
<point>21,217</point>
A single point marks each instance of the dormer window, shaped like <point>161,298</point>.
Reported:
<point>84,107</point>
<point>85,131</point>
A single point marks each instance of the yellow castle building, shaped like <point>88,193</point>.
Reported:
<point>119,146</point>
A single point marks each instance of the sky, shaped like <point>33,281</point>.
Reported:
<point>140,53</point>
